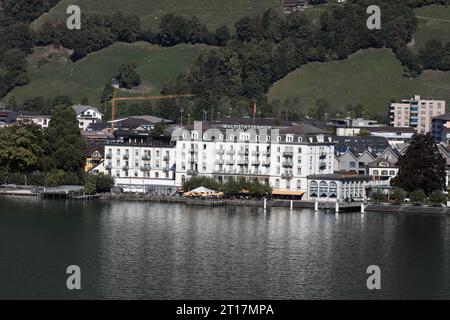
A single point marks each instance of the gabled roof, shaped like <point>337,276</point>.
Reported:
<point>92,148</point>
<point>79,109</point>
<point>303,129</point>
<point>152,119</point>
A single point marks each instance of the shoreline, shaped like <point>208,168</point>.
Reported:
<point>256,203</point>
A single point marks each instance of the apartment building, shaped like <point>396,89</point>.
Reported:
<point>140,162</point>
<point>440,128</point>
<point>416,113</point>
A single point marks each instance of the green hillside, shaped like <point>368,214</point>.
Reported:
<point>53,73</point>
<point>211,12</point>
<point>433,23</point>
<point>370,77</point>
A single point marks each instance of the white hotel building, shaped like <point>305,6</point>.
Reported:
<point>284,158</point>
<point>141,163</point>
<point>281,158</point>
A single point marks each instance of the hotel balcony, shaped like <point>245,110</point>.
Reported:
<point>242,161</point>
<point>146,158</point>
<point>243,152</point>
<point>192,172</point>
<point>323,155</point>
<point>220,161</point>
<point>126,156</point>
<point>288,164</point>
<point>145,168</point>
<point>166,158</point>
<point>288,154</point>
<point>125,168</point>
<point>287,175</point>
<point>108,155</point>
<point>266,163</point>
<point>230,162</point>
<point>256,163</point>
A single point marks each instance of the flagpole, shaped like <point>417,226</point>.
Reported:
<point>254,111</point>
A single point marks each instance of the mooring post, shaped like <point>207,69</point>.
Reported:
<point>265,203</point>
<point>337,207</point>
<point>362,207</point>
<point>316,206</point>
<point>292,205</point>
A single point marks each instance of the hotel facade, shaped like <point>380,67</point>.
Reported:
<point>282,158</point>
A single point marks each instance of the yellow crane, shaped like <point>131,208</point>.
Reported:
<point>140,98</point>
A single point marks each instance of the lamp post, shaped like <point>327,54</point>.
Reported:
<point>181,116</point>
<point>204,115</point>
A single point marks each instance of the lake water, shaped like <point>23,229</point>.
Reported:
<point>136,250</point>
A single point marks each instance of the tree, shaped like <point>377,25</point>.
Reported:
<point>21,148</point>
<point>437,197</point>
<point>421,167</point>
<point>63,144</point>
<point>418,196</point>
<point>222,35</point>
<point>398,196</point>
<point>197,182</point>
<point>127,76</point>
<point>432,54</point>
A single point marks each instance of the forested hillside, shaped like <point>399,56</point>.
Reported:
<point>240,62</point>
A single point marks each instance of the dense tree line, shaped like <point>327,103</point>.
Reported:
<point>280,42</point>
<point>266,48</point>
<point>16,39</point>
<point>231,188</point>
<point>39,104</point>
<point>53,156</point>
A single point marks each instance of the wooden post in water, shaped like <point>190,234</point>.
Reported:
<point>265,203</point>
<point>362,207</point>
<point>316,206</point>
<point>292,205</point>
<point>337,207</point>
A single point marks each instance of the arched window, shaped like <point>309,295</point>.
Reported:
<point>384,173</point>
<point>333,190</point>
<point>375,172</point>
<point>392,173</point>
<point>323,189</point>
<point>313,189</point>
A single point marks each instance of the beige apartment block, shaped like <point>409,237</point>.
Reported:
<point>416,113</point>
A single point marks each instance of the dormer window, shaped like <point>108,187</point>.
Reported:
<point>278,138</point>
<point>300,139</point>
<point>289,138</point>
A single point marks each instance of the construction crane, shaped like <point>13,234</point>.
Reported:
<point>142,98</point>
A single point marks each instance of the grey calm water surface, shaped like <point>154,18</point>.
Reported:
<point>155,251</point>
